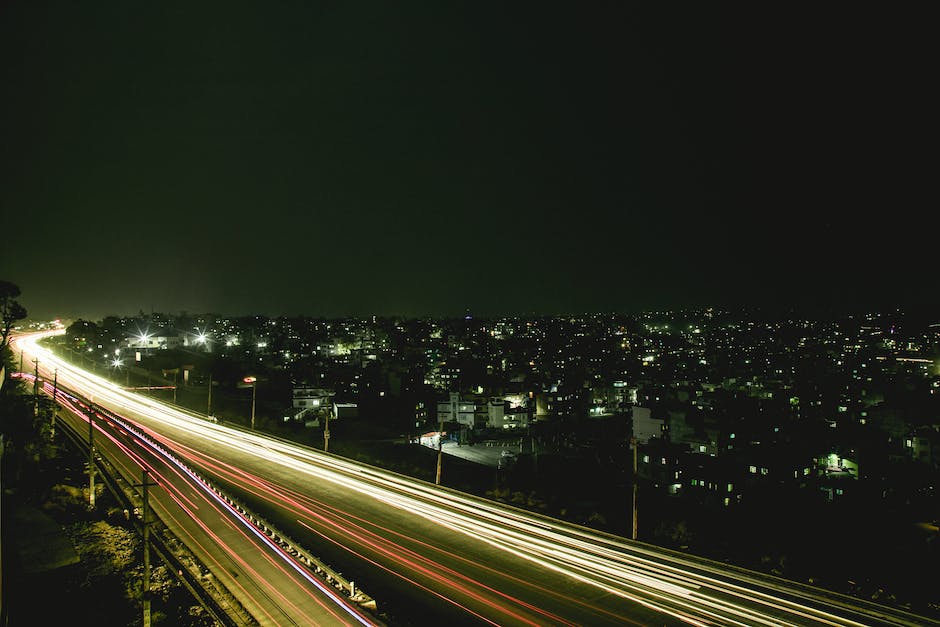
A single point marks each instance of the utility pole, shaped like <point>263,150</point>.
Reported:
<point>55,398</point>
<point>21,360</point>
<point>326,434</point>
<point>440,451</point>
<point>254,382</point>
<point>36,388</point>
<point>633,445</point>
<point>254,387</point>
<point>145,519</point>
<point>91,457</point>
<point>535,452</point>
<point>209,404</point>
<point>174,386</point>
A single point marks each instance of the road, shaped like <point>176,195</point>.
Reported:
<point>428,554</point>
<point>273,587</point>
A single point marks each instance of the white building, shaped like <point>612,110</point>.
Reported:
<point>345,410</point>
<point>513,418</point>
<point>495,413</point>
<point>156,341</point>
<point>458,410</point>
<point>645,426</point>
<point>307,399</point>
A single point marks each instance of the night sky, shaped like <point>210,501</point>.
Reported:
<point>422,158</point>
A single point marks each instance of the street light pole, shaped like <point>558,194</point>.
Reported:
<point>91,457</point>
<point>254,382</point>
<point>326,434</point>
<point>145,520</point>
<point>633,444</point>
<point>36,388</point>
<point>146,529</point>
<point>440,451</point>
<point>55,399</point>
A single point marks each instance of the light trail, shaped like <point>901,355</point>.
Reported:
<point>687,589</point>
<point>143,454</point>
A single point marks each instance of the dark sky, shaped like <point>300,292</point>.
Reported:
<point>373,158</point>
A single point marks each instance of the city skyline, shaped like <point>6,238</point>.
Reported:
<point>424,161</point>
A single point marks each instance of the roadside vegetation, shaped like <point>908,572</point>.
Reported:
<point>64,564</point>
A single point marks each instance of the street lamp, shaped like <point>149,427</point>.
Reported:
<point>117,363</point>
<point>326,434</point>
<point>440,451</point>
<point>253,381</point>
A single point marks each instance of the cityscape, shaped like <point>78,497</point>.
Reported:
<point>415,314</point>
<point>778,443</point>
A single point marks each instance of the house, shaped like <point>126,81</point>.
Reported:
<point>923,445</point>
<point>711,480</point>
<point>645,427</point>
<point>159,340</point>
<point>511,418</point>
<point>457,409</point>
<point>307,400</point>
<point>345,410</point>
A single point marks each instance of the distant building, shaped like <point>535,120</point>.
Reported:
<point>659,463</point>
<point>160,340</point>
<point>678,427</point>
<point>764,466</point>
<point>838,475</point>
<point>345,410</point>
<point>712,480</point>
<point>562,400</point>
<point>306,400</point>
<point>501,417</point>
<point>923,445</point>
<point>457,409</point>
<point>645,427</point>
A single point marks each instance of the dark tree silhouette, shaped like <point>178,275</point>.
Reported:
<point>10,309</point>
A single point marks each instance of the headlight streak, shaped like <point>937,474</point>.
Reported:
<point>343,523</point>
<point>167,514</point>
<point>393,551</point>
<point>557,566</point>
<point>391,498</point>
<point>596,559</point>
<point>235,514</point>
<point>328,517</point>
<point>467,526</point>
<point>189,507</point>
<point>432,515</point>
<point>595,546</point>
<point>472,527</point>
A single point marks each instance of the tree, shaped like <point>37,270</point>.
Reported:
<point>10,309</point>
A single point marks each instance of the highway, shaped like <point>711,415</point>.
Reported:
<point>428,554</point>
<point>272,586</point>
